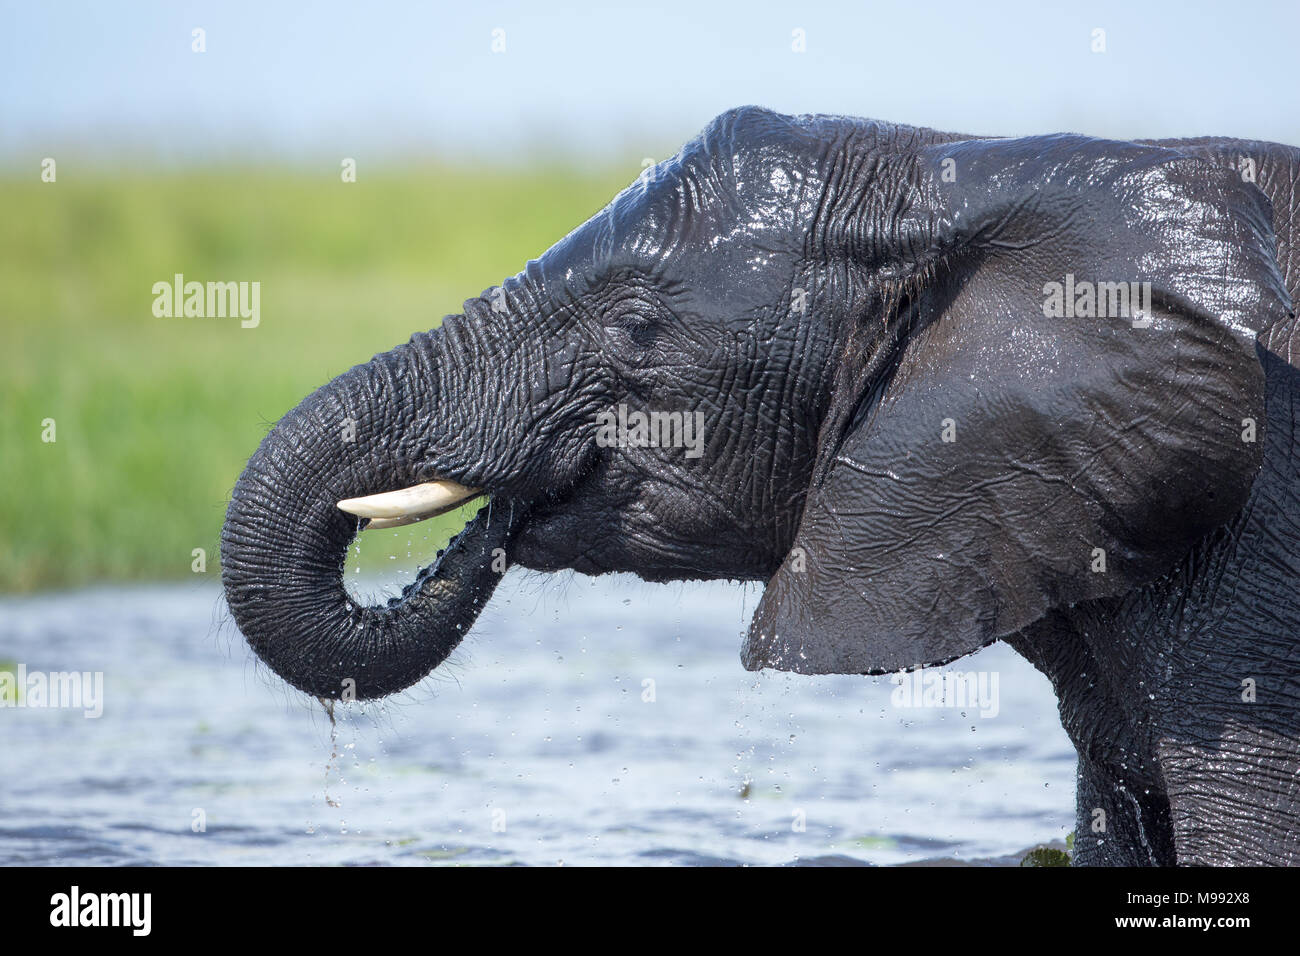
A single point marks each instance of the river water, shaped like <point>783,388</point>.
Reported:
<point>584,721</point>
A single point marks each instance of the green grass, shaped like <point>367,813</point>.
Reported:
<point>10,692</point>
<point>1045,856</point>
<point>156,417</point>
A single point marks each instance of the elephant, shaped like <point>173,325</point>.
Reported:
<point>951,390</point>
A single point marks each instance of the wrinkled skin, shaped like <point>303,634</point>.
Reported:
<point>834,295</point>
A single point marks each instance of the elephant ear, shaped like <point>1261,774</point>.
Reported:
<point>1015,456</point>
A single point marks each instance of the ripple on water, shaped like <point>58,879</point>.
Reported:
<point>585,721</point>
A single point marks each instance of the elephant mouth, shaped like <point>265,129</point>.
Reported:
<point>545,529</point>
<point>393,509</point>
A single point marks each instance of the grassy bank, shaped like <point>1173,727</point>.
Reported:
<point>154,418</point>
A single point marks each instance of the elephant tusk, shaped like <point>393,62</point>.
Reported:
<point>392,509</point>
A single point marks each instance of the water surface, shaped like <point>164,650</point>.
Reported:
<point>537,743</point>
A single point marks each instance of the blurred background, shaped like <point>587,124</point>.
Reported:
<point>481,133</point>
<point>142,140</point>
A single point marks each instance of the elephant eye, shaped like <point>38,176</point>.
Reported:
<point>639,327</point>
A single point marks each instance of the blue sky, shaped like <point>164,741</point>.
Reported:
<point>293,82</point>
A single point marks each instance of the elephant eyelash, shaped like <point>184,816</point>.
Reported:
<point>637,326</point>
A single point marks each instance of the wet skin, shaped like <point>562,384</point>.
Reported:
<point>915,453</point>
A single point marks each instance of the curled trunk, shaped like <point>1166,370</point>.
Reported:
<point>285,541</point>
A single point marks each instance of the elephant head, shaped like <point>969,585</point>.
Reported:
<point>872,381</point>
